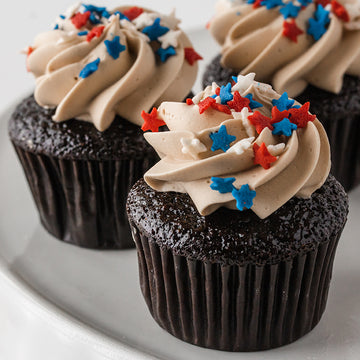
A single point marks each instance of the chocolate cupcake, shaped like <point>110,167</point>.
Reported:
<point>78,137</point>
<point>237,226</point>
<point>310,49</point>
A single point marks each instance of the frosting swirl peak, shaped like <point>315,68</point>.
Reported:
<point>240,146</point>
<point>98,63</point>
<point>290,43</point>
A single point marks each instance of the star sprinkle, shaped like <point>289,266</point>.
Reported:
<point>284,127</point>
<point>79,20</point>
<point>283,103</point>
<point>277,115</point>
<point>151,121</point>
<point>145,19</point>
<point>290,10</point>
<point>221,108</point>
<point>223,186</point>
<point>95,32</point>
<point>114,48</point>
<point>260,121</point>
<point>291,30</point>
<point>192,56</point>
<point>29,50</point>
<point>301,116</point>
<point>192,147</point>
<point>189,101</point>
<point>221,139</point>
<point>225,94</point>
<point>166,53</point>
<point>242,83</point>
<point>340,11</point>
<point>241,146</point>
<point>205,104</point>
<point>155,30</point>
<point>239,102</point>
<point>133,12</point>
<point>92,8</point>
<point>270,4</point>
<point>317,26</point>
<point>89,69</point>
<point>244,197</point>
<point>305,2</point>
<point>262,156</point>
<point>253,104</point>
<point>170,39</point>
<point>83,33</point>
<point>257,3</point>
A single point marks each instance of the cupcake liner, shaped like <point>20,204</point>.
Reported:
<point>235,307</point>
<point>83,202</point>
<point>344,134</point>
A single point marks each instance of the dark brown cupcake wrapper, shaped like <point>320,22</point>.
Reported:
<point>238,307</point>
<point>83,202</point>
<point>344,135</point>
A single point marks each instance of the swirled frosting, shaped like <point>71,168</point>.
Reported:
<point>290,43</point>
<point>98,63</point>
<point>240,146</point>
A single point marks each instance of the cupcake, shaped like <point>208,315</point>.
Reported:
<point>78,136</point>
<point>237,226</point>
<point>310,49</point>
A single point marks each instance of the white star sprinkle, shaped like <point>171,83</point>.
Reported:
<point>145,19</point>
<point>192,147</point>
<point>243,116</point>
<point>131,27</point>
<point>241,146</point>
<point>170,39</point>
<point>276,150</point>
<point>243,83</point>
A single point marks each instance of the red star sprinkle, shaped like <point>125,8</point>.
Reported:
<point>217,91</point>
<point>205,104</point>
<point>189,101</point>
<point>133,12</point>
<point>262,156</point>
<point>96,31</point>
<point>151,121</point>
<point>340,11</point>
<point>79,20</point>
<point>29,51</point>
<point>323,2</point>
<point>291,30</point>
<point>239,102</point>
<point>260,121</point>
<point>257,4</point>
<point>207,26</point>
<point>191,56</point>
<point>221,107</point>
<point>277,115</point>
<point>301,116</point>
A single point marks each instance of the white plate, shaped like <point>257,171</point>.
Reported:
<point>58,301</point>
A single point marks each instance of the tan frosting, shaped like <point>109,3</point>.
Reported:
<point>252,41</point>
<point>187,163</point>
<point>125,86</point>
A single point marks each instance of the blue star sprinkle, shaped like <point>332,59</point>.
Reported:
<point>250,1</point>
<point>316,28</point>
<point>221,139</point>
<point>322,15</point>
<point>223,186</point>
<point>89,68</point>
<point>92,8</point>
<point>62,17</point>
<point>290,10</point>
<point>166,53</point>
<point>283,103</point>
<point>56,27</point>
<point>105,14</point>
<point>121,15</point>
<point>272,3</point>
<point>305,2</point>
<point>82,33</point>
<point>155,30</point>
<point>225,94</point>
<point>114,48</point>
<point>244,197</point>
<point>284,127</point>
<point>253,104</point>
<point>94,18</point>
